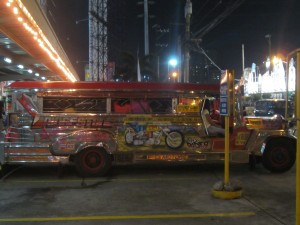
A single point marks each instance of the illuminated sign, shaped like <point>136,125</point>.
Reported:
<point>224,93</point>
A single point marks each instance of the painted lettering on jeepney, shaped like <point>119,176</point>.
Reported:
<point>167,157</point>
<point>241,138</point>
<point>67,121</point>
<point>78,121</point>
<point>197,143</point>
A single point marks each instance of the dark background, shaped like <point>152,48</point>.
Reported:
<point>248,24</point>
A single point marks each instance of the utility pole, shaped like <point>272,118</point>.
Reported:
<point>268,36</point>
<point>146,30</point>
<point>146,16</point>
<point>188,14</point>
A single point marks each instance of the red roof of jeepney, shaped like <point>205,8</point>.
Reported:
<point>114,86</point>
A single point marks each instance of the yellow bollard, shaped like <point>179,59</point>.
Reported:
<point>227,189</point>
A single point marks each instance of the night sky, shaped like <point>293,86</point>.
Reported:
<point>248,24</point>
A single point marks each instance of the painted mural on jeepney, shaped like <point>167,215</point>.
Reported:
<point>147,132</point>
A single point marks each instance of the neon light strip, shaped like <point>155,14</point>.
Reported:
<point>38,35</point>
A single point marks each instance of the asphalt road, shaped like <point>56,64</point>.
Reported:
<point>146,195</point>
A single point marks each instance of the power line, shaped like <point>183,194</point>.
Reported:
<point>202,32</point>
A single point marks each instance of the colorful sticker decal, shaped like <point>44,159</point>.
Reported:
<point>198,143</point>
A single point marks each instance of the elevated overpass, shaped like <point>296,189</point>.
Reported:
<point>29,47</point>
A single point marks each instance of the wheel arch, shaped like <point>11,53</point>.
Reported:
<point>87,146</point>
<point>100,145</point>
<point>82,139</point>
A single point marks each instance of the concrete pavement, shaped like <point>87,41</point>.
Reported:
<point>147,195</point>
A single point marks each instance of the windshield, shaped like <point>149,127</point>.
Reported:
<point>263,105</point>
<point>271,107</point>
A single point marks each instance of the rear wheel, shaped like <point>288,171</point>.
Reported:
<point>92,162</point>
<point>279,156</point>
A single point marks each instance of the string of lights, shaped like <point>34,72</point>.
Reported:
<point>29,24</point>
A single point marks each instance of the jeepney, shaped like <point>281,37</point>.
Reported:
<point>96,125</point>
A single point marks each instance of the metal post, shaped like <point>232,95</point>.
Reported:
<point>188,14</point>
<point>146,32</point>
<point>226,164</point>
<point>230,83</point>
<point>180,60</point>
<point>286,70</point>
<point>158,68</point>
<point>243,58</point>
<point>268,36</point>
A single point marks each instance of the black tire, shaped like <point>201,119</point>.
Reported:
<point>92,162</point>
<point>174,140</point>
<point>279,156</point>
<point>252,162</point>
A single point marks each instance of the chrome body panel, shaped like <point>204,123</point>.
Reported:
<point>259,138</point>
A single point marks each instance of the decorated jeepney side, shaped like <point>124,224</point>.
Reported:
<point>97,125</point>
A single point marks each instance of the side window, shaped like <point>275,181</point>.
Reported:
<point>121,105</point>
<point>188,105</point>
<point>161,106</point>
<point>78,105</point>
<point>142,105</point>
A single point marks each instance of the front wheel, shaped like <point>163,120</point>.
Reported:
<point>279,156</point>
<point>92,162</point>
<point>174,140</point>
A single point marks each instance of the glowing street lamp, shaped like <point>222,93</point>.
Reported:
<point>174,75</point>
<point>173,63</point>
